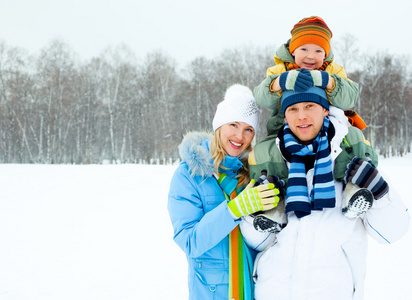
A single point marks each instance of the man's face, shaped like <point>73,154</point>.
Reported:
<point>305,120</point>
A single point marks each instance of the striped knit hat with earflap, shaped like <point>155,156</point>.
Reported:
<point>312,30</point>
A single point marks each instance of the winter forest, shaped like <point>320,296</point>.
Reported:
<point>58,109</point>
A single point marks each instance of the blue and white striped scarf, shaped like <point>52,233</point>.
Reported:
<point>323,190</point>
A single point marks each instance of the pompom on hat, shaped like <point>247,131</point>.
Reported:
<point>313,94</point>
<point>312,30</point>
<point>238,105</point>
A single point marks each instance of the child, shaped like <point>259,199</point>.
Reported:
<point>307,60</point>
<point>308,48</point>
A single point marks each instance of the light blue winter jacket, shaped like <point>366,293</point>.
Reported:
<point>201,221</point>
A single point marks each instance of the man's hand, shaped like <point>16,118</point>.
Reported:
<point>365,175</point>
<point>280,189</point>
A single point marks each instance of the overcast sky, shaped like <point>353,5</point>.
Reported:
<point>185,29</point>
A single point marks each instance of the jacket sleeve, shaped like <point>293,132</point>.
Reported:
<point>345,94</point>
<point>266,156</point>
<point>388,219</point>
<point>194,230</point>
<point>264,97</point>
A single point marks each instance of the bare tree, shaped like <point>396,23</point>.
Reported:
<point>56,109</point>
<point>347,52</point>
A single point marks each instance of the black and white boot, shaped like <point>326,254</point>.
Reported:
<point>356,201</point>
<point>273,220</point>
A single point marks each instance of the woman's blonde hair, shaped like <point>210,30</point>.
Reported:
<point>218,154</point>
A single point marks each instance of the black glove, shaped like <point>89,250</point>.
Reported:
<point>262,178</point>
<point>279,183</point>
<point>365,175</point>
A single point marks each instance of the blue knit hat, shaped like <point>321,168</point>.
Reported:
<point>313,94</point>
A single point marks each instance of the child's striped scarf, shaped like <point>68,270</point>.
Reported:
<point>323,190</point>
<point>240,260</point>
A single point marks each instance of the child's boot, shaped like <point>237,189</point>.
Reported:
<point>356,200</point>
<point>272,220</point>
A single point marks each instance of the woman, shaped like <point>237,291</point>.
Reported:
<point>208,197</point>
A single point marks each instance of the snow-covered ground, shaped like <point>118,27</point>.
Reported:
<point>103,232</point>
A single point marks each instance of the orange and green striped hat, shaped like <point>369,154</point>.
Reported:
<point>312,30</point>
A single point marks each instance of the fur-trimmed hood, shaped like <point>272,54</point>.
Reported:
<point>194,150</point>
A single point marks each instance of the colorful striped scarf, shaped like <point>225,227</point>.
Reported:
<point>240,260</point>
<point>323,190</point>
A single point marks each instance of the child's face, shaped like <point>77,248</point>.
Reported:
<point>309,56</point>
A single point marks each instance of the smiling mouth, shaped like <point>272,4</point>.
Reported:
<point>309,64</point>
<point>235,144</point>
<point>304,126</point>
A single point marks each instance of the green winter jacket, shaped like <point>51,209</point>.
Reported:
<point>267,156</point>
<point>344,95</point>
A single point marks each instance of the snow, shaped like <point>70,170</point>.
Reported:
<point>103,232</point>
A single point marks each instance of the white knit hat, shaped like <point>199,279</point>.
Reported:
<point>239,105</point>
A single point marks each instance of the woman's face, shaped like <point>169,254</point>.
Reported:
<point>236,137</point>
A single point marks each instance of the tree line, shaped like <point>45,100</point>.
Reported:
<point>116,108</point>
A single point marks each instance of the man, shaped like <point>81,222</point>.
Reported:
<point>321,253</point>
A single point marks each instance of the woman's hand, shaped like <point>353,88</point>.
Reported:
<point>251,200</point>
